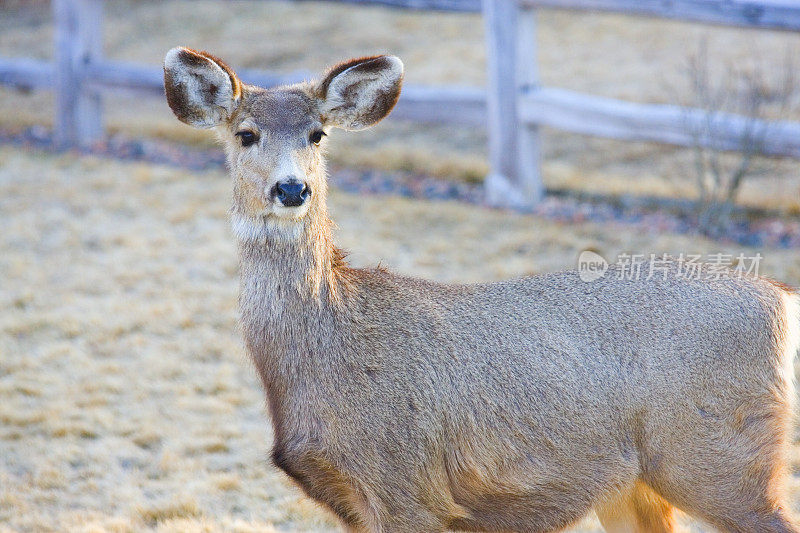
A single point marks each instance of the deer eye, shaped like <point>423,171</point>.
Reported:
<point>247,137</point>
<point>316,136</point>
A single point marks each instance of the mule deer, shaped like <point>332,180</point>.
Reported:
<point>406,405</point>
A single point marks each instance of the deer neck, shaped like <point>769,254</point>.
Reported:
<point>293,265</point>
<point>289,289</point>
<point>290,294</point>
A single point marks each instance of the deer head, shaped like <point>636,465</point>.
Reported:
<point>274,138</point>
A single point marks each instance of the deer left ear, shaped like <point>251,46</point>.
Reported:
<point>201,89</point>
<point>359,93</point>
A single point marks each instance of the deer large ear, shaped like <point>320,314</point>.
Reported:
<point>358,93</point>
<point>201,89</point>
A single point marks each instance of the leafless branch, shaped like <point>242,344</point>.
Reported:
<point>743,92</point>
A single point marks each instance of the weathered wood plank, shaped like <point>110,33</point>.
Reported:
<point>763,14</point>
<point>605,117</point>
<point>79,40</point>
<point>447,105</point>
<point>27,73</point>
<point>500,23</point>
<point>529,143</point>
<point>428,5</point>
<point>105,75</point>
<point>450,104</point>
<point>113,76</point>
<point>66,81</point>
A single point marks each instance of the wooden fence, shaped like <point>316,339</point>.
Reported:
<point>512,107</point>
<point>518,105</point>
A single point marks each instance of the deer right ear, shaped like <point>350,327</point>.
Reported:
<point>201,89</point>
<point>358,93</point>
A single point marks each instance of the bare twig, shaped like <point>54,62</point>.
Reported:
<point>718,173</point>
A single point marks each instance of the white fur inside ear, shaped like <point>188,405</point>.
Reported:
<point>199,91</point>
<point>364,93</point>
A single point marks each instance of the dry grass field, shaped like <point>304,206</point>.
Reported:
<point>126,399</point>
<point>625,57</point>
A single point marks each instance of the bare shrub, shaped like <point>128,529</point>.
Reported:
<point>729,115</point>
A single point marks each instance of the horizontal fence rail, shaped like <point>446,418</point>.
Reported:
<point>450,104</point>
<point>667,124</point>
<point>764,14</point>
<point>512,107</point>
<point>427,5</point>
<point>27,73</point>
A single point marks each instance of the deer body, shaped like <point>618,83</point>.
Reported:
<point>406,405</point>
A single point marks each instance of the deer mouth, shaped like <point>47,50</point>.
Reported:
<point>290,212</point>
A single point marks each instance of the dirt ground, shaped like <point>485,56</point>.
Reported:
<point>632,58</point>
<point>126,400</point>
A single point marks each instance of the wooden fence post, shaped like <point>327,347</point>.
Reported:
<point>514,177</point>
<point>78,43</point>
<point>529,164</point>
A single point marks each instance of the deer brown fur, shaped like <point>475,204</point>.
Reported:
<point>406,405</point>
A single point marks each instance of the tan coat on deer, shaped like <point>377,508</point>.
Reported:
<point>405,405</point>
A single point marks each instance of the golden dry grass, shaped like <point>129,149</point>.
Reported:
<point>610,55</point>
<point>126,400</point>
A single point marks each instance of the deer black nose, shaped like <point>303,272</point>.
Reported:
<point>292,193</point>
